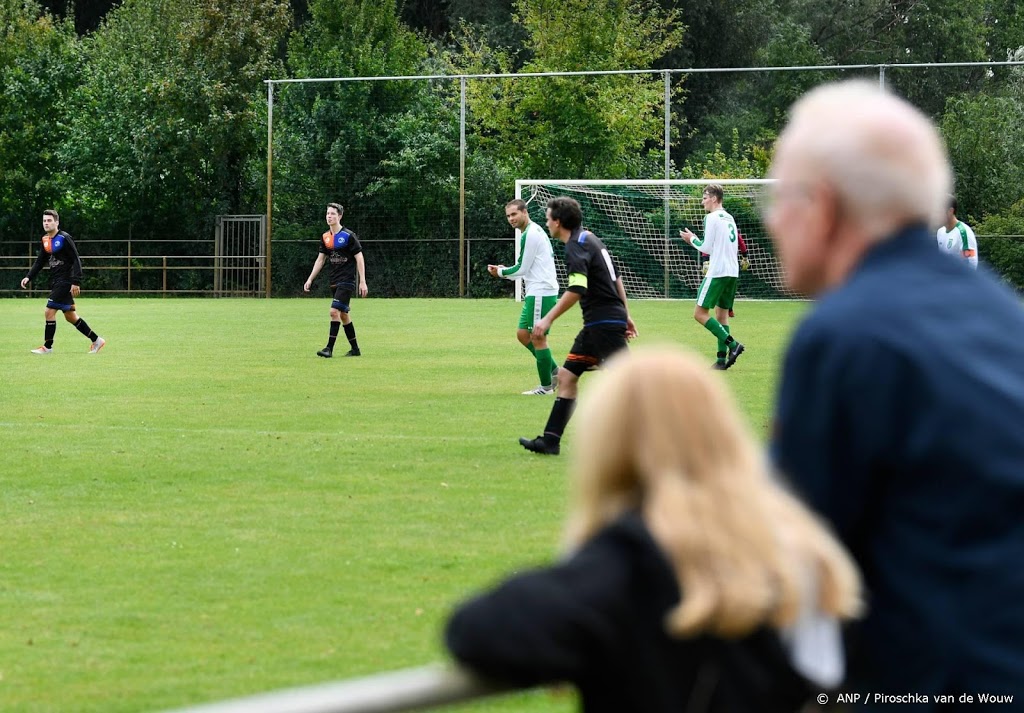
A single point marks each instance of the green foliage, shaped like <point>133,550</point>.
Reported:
<point>1002,246</point>
<point>985,137</point>
<point>333,139</point>
<point>39,71</point>
<point>168,116</point>
<point>750,162</point>
<point>575,126</point>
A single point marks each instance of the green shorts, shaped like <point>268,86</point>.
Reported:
<point>717,292</point>
<point>534,308</point>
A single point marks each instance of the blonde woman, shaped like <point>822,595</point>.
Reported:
<point>695,582</point>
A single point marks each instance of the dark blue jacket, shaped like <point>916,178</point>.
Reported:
<point>901,420</point>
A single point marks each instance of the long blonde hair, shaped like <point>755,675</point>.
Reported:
<point>660,433</point>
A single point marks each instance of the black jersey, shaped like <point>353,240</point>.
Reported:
<point>341,249</point>
<point>60,253</point>
<point>592,275</point>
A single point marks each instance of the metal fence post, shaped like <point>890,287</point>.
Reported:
<point>462,187</point>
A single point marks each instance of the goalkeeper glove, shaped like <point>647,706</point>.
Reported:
<point>744,263</point>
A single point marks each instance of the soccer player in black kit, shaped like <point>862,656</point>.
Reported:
<point>59,252</point>
<point>607,326</point>
<point>341,247</point>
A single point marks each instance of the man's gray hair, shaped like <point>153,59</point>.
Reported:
<point>882,156</point>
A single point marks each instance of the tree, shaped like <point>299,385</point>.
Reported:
<point>39,71</point>
<point>1002,243</point>
<point>985,137</point>
<point>561,127</point>
<point>169,112</point>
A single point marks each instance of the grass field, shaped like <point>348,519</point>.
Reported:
<point>205,509</point>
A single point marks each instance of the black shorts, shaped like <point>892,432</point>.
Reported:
<point>60,298</point>
<point>592,346</point>
<point>342,296</point>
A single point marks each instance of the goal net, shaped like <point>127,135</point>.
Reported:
<point>640,221</point>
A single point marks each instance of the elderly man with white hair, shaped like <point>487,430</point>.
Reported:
<point>900,415</point>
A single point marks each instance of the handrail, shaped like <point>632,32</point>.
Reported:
<point>405,690</point>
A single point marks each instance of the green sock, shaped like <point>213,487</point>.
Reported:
<point>529,345</point>
<point>722,347</point>
<point>545,365</point>
<point>716,328</point>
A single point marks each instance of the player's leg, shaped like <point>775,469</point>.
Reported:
<point>524,333</point>
<point>97,342</point>
<point>332,334</point>
<point>545,359</point>
<point>708,297</point>
<point>533,311</point>
<point>723,350</point>
<point>342,298</point>
<point>726,299</point>
<point>591,348</point>
<point>50,328</point>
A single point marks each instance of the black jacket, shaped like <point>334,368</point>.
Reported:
<point>597,621</point>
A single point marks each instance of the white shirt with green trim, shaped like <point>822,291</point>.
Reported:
<point>959,241</point>
<point>536,263</point>
<point>721,244</point>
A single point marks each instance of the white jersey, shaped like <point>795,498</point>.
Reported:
<point>959,241</point>
<point>536,263</point>
<point>720,242</point>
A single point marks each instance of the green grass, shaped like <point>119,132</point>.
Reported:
<point>206,509</point>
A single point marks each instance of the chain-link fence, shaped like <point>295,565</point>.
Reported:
<point>424,165</point>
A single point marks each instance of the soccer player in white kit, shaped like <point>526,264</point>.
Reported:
<point>536,266</point>
<point>956,237</point>
<point>718,289</point>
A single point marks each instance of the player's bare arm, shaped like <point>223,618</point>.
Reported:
<point>316,271</point>
<point>361,270</point>
<point>631,332</point>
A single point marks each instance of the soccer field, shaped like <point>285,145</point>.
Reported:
<point>205,509</point>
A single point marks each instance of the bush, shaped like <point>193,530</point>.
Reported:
<point>1001,244</point>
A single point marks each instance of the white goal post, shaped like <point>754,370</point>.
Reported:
<point>640,220</point>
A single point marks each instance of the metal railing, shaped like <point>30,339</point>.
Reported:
<point>406,690</point>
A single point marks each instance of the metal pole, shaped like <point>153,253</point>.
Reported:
<point>270,174</point>
<point>881,76</point>
<point>518,283</point>
<point>129,259</point>
<point>668,170</point>
<point>405,690</point>
<point>462,187</point>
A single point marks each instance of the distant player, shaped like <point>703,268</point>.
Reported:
<point>59,252</point>
<point>341,247</point>
<point>957,238</point>
<point>594,283</point>
<point>536,266</point>
<point>718,288</point>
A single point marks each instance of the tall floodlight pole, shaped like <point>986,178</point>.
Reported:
<point>270,172</point>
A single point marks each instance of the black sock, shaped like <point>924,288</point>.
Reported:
<point>51,329</point>
<point>335,326</point>
<point>350,332</point>
<point>561,412</point>
<point>82,327</point>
